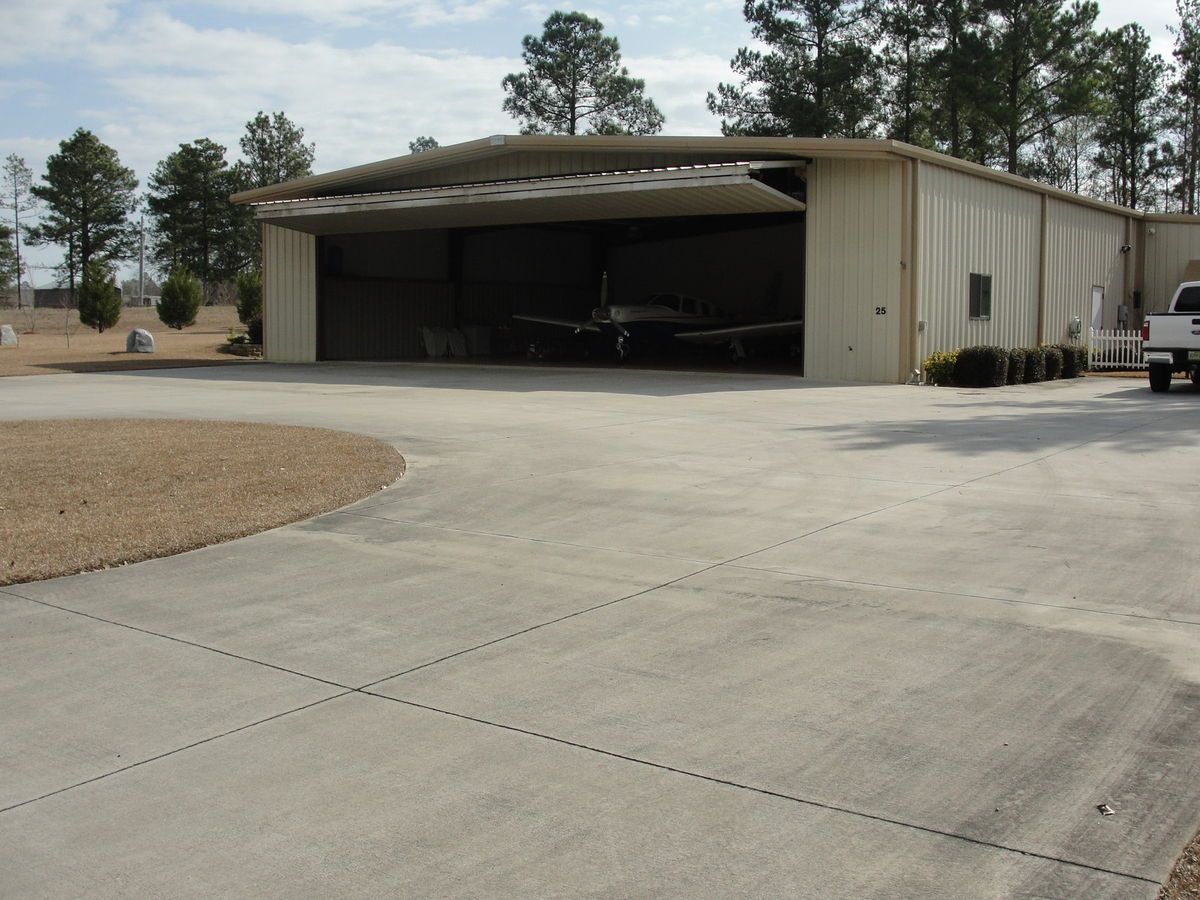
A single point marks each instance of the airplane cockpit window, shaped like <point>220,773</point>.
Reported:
<point>687,305</point>
<point>670,301</point>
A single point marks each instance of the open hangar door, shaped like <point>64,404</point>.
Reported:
<point>473,257</point>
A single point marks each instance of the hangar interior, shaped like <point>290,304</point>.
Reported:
<point>377,291</point>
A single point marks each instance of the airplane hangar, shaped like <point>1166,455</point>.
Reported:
<point>883,251</point>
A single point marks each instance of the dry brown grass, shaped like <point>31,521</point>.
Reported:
<point>84,494</point>
<point>46,350</point>
<point>1184,883</point>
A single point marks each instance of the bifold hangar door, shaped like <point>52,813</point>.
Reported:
<point>393,263</point>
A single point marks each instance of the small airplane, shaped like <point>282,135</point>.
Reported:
<point>669,316</point>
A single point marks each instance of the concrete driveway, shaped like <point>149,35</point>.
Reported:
<point>637,634</point>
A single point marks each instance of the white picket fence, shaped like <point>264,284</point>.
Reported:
<point>1113,349</point>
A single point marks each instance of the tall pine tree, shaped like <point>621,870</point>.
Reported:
<point>88,196</point>
<point>905,27</point>
<point>195,225</point>
<point>1039,62</point>
<point>1131,105</point>
<point>819,78</point>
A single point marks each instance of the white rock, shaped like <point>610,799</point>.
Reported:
<point>139,341</point>
<point>8,336</point>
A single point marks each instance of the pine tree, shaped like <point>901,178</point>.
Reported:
<point>180,299</point>
<point>819,77</point>
<point>422,144</point>
<point>9,268</point>
<point>274,151</point>
<point>1184,120</point>
<point>905,28</point>
<point>955,68</point>
<point>1131,102</point>
<point>195,225</point>
<point>574,83</point>
<point>1040,59</point>
<point>16,195</point>
<point>249,290</point>
<point>88,196</point>
<point>99,297</point>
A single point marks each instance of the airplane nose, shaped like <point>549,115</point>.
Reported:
<point>601,314</point>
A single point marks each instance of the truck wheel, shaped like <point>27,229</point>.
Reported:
<point>1160,378</point>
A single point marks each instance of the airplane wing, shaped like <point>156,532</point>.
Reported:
<point>720,335</point>
<point>587,325</point>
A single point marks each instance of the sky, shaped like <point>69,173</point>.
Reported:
<point>362,77</point>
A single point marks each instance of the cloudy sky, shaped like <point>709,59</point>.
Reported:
<point>362,77</point>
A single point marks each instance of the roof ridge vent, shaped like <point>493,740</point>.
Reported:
<point>496,140</point>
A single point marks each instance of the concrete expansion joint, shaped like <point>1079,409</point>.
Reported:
<point>765,792</point>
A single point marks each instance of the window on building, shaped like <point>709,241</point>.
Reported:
<point>981,296</point>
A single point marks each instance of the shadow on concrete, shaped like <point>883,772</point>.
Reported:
<point>1133,420</point>
<point>661,381</point>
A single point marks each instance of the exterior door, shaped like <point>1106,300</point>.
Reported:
<point>1097,307</point>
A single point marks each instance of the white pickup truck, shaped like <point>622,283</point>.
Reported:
<point>1171,340</point>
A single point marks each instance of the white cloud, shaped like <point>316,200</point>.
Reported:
<point>44,28</point>
<point>356,13</point>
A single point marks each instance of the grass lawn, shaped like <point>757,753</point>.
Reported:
<point>91,493</point>
<point>61,344</point>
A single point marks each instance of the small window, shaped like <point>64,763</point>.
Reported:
<point>687,305</point>
<point>1189,300</point>
<point>981,296</point>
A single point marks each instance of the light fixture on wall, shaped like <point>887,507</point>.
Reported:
<point>1125,248</point>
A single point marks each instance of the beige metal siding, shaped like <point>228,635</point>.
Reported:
<point>1083,250</point>
<point>1168,251</point>
<point>289,295</point>
<point>853,267</point>
<point>971,224</point>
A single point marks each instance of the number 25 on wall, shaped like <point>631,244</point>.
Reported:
<point>881,310</point>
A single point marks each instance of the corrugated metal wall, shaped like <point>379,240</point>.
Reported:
<point>1167,252</point>
<point>379,318</point>
<point>289,295</point>
<point>1083,249</point>
<point>853,249</point>
<point>970,224</point>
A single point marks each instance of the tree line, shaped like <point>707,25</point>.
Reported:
<point>1030,86</point>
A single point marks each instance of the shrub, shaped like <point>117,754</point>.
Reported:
<point>99,298</point>
<point>254,329</point>
<point>1070,360</point>
<point>1054,363</point>
<point>249,296</point>
<point>939,366</point>
<point>1035,364</point>
<point>1016,366</point>
<point>180,300</point>
<point>1082,360</point>
<point>981,367</point>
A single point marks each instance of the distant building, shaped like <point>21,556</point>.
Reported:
<point>52,298</point>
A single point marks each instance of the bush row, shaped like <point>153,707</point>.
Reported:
<point>987,366</point>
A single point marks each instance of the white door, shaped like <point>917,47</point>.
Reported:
<point>1097,307</point>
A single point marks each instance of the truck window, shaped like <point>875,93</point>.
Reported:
<point>1189,300</point>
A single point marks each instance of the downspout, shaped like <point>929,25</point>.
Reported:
<point>914,237</point>
<point>1041,298</point>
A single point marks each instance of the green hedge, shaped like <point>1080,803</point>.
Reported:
<point>1016,366</point>
<point>1035,364</point>
<point>1075,360</point>
<point>1054,363</point>
<point>981,367</point>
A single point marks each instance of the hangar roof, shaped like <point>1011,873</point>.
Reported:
<point>509,157</point>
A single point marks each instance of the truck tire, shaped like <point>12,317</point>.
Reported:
<point>1160,378</point>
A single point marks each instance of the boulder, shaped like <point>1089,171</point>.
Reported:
<point>8,336</point>
<point>139,341</point>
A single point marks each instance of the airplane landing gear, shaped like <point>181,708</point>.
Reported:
<point>623,348</point>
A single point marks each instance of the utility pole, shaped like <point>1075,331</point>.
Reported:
<point>142,261</point>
